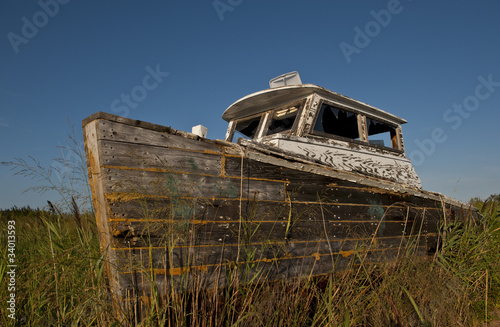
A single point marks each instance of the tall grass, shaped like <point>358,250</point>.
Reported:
<point>471,252</point>
<point>61,282</point>
<point>59,275</point>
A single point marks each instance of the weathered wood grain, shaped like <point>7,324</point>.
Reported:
<point>166,183</point>
<point>97,183</point>
<point>130,156</point>
<point>154,207</point>
<point>172,255</point>
<point>273,268</point>
<point>127,133</point>
<point>262,231</point>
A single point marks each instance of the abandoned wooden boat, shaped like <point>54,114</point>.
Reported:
<point>316,181</point>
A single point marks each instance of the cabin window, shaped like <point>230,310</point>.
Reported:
<point>380,133</point>
<point>248,128</point>
<point>338,122</point>
<point>282,120</point>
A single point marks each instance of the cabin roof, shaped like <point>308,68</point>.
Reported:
<point>264,100</point>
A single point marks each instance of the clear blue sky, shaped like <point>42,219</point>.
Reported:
<point>434,63</point>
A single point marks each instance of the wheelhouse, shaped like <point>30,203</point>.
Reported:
<point>309,111</point>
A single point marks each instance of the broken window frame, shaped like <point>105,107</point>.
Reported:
<point>362,123</point>
<point>268,121</point>
<point>235,123</point>
<point>334,136</point>
<point>265,121</point>
<point>395,136</point>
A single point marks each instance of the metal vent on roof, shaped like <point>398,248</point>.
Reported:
<point>291,78</point>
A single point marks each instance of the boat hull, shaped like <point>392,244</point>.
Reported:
<point>177,212</point>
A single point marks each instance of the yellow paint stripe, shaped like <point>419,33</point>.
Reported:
<point>171,147</point>
<point>259,179</point>
<point>345,254</point>
<point>182,270</point>
<point>156,170</point>
<point>198,151</point>
<point>233,155</point>
<point>135,196</point>
<point>179,172</point>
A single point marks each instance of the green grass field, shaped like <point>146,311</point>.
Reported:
<point>60,281</point>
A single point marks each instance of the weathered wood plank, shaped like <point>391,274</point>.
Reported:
<point>97,183</point>
<point>320,187</point>
<point>136,259</point>
<point>114,131</point>
<point>254,169</point>
<point>208,277</point>
<point>140,234</point>
<point>154,208</point>
<point>130,156</point>
<point>159,183</point>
